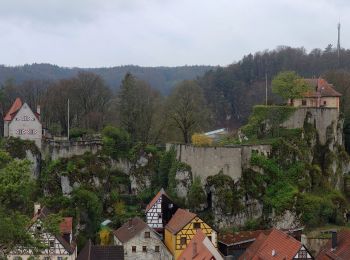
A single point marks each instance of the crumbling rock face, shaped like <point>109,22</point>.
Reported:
<point>183,180</point>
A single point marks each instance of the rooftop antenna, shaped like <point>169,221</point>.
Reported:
<point>265,89</point>
<point>338,45</point>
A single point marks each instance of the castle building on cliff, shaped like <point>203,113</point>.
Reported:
<point>20,121</point>
<point>321,95</point>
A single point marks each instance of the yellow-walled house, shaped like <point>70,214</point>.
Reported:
<point>181,229</point>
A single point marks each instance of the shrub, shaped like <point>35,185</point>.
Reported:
<point>116,142</point>
<point>201,140</point>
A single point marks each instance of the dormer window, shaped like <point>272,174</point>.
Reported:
<point>147,234</point>
<point>170,206</point>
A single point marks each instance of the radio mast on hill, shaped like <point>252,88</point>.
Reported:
<point>338,45</point>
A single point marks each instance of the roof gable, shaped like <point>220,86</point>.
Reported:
<point>180,219</point>
<point>25,111</point>
<point>200,247</point>
<point>155,199</point>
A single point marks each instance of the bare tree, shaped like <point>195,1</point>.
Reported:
<point>186,108</point>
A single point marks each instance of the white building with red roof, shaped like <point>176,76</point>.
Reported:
<point>20,121</point>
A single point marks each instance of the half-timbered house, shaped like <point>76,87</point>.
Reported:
<point>140,241</point>
<point>57,246</point>
<point>159,211</point>
<point>181,229</point>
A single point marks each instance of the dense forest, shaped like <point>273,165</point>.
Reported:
<point>161,78</point>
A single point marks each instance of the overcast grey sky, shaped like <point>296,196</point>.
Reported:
<point>94,33</point>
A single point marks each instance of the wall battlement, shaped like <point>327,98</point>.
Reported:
<point>208,161</point>
<point>56,149</point>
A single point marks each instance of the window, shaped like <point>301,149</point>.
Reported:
<point>209,238</point>
<point>17,258</point>
<point>59,258</point>
<point>133,249</point>
<point>52,243</point>
<point>183,241</point>
<point>147,234</point>
<point>156,249</point>
<point>144,248</point>
<point>324,103</point>
<point>159,215</point>
<point>303,102</point>
<point>196,225</point>
<point>46,258</point>
<point>302,254</point>
<point>171,205</point>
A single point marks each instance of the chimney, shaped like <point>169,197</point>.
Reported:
<point>38,109</point>
<point>334,240</point>
<point>37,208</point>
<point>194,250</point>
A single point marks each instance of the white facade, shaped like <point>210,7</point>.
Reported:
<point>25,125</point>
<point>154,215</point>
<point>55,250</point>
<point>144,246</point>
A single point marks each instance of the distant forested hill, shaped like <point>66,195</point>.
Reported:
<point>161,78</point>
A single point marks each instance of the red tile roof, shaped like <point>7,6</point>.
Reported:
<point>66,226</point>
<point>42,214</point>
<point>341,252</point>
<point>154,200</point>
<point>321,88</point>
<point>130,229</point>
<point>241,237</point>
<point>180,219</point>
<point>13,110</point>
<point>283,245</point>
<point>200,248</point>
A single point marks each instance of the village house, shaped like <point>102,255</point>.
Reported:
<point>20,121</point>
<point>235,243</point>
<point>276,245</point>
<point>200,248</point>
<point>140,241</point>
<point>181,229</point>
<point>322,94</point>
<point>59,246</point>
<point>338,247</point>
<point>96,252</point>
<point>159,211</point>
